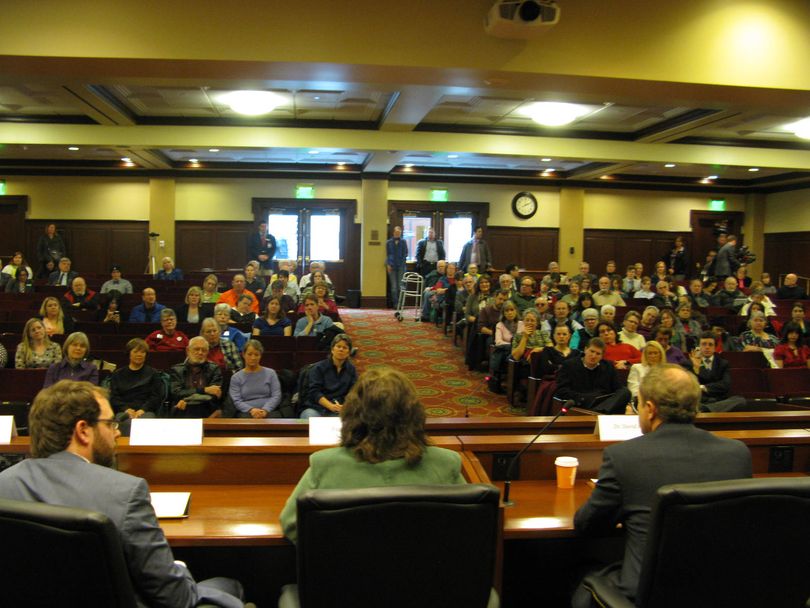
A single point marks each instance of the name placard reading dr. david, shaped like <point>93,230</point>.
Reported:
<point>618,428</point>
<point>7,429</point>
<point>154,431</point>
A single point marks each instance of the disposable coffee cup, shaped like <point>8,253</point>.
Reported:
<point>566,471</point>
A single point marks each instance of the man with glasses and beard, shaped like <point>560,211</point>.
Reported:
<point>73,435</point>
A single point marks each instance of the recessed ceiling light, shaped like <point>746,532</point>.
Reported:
<point>711,177</point>
<point>129,163</point>
<point>408,165</point>
<point>800,128</point>
<point>546,160</point>
<point>73,148</point>
<point>706,180</point>
<point>553,114</point>
<point>452,156</point>
<point>252,103</point>
<point>317,97</point>
<point>213,149</point>
<point>313,152</point>
<point>549,170</point>
<point>605,177</point>
<point>193,160</point>
<point>754,169</point>
<point>126,159</point>
<point>669,165</point>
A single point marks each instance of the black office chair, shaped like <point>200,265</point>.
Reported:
<point>61,556</point>
<point>726,543</point>
<point>399,546</point>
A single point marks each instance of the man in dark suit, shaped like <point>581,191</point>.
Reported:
<point>63,276</point>
<point>428,253</point>
<point>714,375</point>
<point>73,435</point>
<point>671,450</point>
<point>262,248</point>
<point>725,264</point>
<point>592,382</point>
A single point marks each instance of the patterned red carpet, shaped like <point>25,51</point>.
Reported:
<point>430,360</point>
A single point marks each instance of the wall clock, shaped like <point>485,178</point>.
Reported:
<point>524,205</point>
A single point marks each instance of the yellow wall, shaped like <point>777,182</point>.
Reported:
<point>74,198</point>
<point>788,211</point>
<point>641,210</point>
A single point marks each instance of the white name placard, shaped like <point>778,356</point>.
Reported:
<point>159,431</point>
<point>324,430</point>
<point>618,428</point>
<point>170,504</point>
<point>7,429</point>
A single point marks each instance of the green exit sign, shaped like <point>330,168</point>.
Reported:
<point>305,191</point>
<point>717,204</point>
<point>439,195</point>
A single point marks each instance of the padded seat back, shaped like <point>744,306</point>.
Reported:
<point>791,382</point>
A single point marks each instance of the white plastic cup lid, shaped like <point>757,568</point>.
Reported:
<point>566,461</point>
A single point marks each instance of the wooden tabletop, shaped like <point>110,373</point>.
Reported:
<point>542,510</point>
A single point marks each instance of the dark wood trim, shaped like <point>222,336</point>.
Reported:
<point>786,252</point>
<point>373,302</point>
<point>630,246</point>
<point>526,246</point>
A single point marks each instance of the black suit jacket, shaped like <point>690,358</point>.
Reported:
<point>577,382</point>
<point>420,250</point>
<point>633,471</point>
<point>717,380</point>
<point>255,248</point>
<point>54,277</point>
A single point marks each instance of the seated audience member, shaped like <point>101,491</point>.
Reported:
<point>616,287</point>
<point>529,338</point>
<point>36,350</point>
<point>687,329</point>
<point>797,316</point>
<point>286,267</point>
<point>254,283</point>
<point>467,284</point>
<point>663,297</point>
<point>274,322</point>
<point>307,279</point>
<point>651,355</point>
<point>243,314</point>
<point>288,285</point>
<point>756,338</point>
<point>169,272</point>
<point>194,310</point>
<point>584,302</point>
<point>73,437</point>
<point>64,276</point>
<point>488,318</point>
<point>757,296</point>
<point>195,386</point>
<point>231,297</point>
<point>325,303</point>
<point>633,470</point>
<point>255,390</point>
<point>382,443</point>
<point>661,273</point>
<point>276,290</point>
<point>78,297</point>
<point>222,315</point>
<point>53,317</point>
<point>477,299</point>
<point>136,389</point>
<point>714,377</point>
<point>20,282</point>
<point>116,283</point>
<point>16,262</point>
<point>318,278</point>
<point>696,296</point>
<point>772,324</point>
<point>505,281</point>
<point>210,295</point>
<point>562,316</point>
<point>743,280</point>
<point>792,351</point>
<point>607,313</point>
<point>584,273</point>
<point>649,321</point>
<point>435,296</point>
<point>149,310</point>
<point>590,319</point>
<point>591,382</point>
<point>572,297</point>
<point>542,304</point>
<point>110,313</point>
<point>168,337</point>
<point>621,355</point>
<point>524,298</point>
<point>629,333</point>
<point>644,292</point>
<point>552,357</point>
<point>313,323</point>
<point>436,273</point>
<point>505,330</point>
<point>610,271</point>
<point>472,270</point>
<point>330,381</point>
<point>768,288</point>
<point>73,365</point>
<point>222,352</point>
<point>669,320</point>
<point>674,355</point>
<point>729,297</point>
<point>631,283</point>
<point>514,271</point>
<point>606,295</point>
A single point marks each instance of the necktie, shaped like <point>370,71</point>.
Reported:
<point>62,280</point>
<point>707,363</point>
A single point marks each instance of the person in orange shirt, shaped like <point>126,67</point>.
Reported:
<point>231,297</point>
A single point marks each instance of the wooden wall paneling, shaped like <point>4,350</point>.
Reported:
<point>230,246</point>
<point>129,249</point>
<point>211,244</point>
<point>90,248</point>
<point>12,228</point>
<point>786,252</point>
<point>531,248</point>
<point>598,250</point>
<point>630,246</point>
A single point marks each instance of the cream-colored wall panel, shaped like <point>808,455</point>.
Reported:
<point>498,197</point>
<point>230,199</point>
<point>640,210</point>
<point>788,211</point>
<point>74,198</point>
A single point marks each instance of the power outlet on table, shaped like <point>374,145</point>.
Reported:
<point>500,463</point>
<point>780,459</point>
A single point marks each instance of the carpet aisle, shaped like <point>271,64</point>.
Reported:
<point>434,365</point>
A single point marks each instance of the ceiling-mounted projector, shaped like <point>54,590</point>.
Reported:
<point>521,18</point>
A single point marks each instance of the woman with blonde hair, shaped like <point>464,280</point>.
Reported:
<point>382,443</point>
<point>36,349</point>
<point>210,295</point>
<point>194,310</point>
<point>652,354</point>
<point>53,317</point>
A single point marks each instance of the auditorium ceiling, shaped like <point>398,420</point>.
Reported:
<point>111,114</point>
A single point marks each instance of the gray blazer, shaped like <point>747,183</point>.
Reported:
<point>67,479</point>
<point>633,471</point>
<point>725,264</point>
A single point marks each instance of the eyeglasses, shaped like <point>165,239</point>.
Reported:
<point>114,424</point>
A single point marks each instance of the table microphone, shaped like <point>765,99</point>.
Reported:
<point>507,486</point>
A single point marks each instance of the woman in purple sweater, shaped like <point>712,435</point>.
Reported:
<point>255,390</point>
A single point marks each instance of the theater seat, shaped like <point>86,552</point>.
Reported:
<point>398,547</point>
<point>724,543</point>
